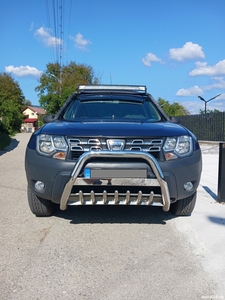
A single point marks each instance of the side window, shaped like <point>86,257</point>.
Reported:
<point>71,111</point>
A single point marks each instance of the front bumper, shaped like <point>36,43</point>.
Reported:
<point>119,189</point>
<point>66,183</point>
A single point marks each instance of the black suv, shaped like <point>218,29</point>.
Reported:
<point>112,145</point>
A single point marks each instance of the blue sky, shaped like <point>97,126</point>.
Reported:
<point>174,47</point>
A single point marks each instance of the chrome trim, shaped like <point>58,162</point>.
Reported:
<point>137,142</point>
<point>164,199</point>
<point>95,148</point>
<point>76,148</point>
<point>94,142</point>
<point>72,140</point>
<point>115,144</point>
<point>154,148</point>
<point>136,148</point>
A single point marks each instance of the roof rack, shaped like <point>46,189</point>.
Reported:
<point>109,87</point>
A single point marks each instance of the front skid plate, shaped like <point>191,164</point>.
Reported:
<point>115,198</point>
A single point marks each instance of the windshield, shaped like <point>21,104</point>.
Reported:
<point>116,109</point>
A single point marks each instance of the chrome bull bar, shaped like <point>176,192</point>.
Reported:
<point>113,198</point>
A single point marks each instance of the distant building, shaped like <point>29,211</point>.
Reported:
<point>30,123</point>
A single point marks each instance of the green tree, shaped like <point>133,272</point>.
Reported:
<point>11,104</point>
<point>40,120</point>
<point>27,103</point>
<point>208,111</point>
<point>175,109</point>
<point>56,86</point>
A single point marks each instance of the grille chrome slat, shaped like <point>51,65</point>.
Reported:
<point>137,142</point>
<point>135,148</point>
<point>94,142</point>
<point>95,148</point>
<point>76,148</point>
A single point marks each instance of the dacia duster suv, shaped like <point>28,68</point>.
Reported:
<point>112,145</point>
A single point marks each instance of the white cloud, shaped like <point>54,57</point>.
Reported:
<point>31,26</point>
<point>221,97</point>
<point>23,71</point>
<point>192,91</point>
<point>202,68</point>
<point>80,42</point>
<point>194,107</point>
<point>149,58</point>
<point>220,84</point>
<point>44,34</point>
<point>188,51</point>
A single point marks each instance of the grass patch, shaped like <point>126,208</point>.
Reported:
<point>4,141</point>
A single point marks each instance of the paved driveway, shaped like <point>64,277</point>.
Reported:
<point>107,252</point>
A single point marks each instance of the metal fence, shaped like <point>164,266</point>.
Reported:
<point>206,127</point>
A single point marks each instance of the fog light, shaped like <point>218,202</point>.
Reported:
<point>188,186</point>
<point>39,185</point>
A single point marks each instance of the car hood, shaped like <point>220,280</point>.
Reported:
<point>113,129</point>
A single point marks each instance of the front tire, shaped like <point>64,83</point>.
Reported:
<point>184,207</point>
<point>38,206</point>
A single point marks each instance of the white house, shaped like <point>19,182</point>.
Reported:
<point>30,123</point>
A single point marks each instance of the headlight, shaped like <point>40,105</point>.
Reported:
<point>49,145</point>
<point>180,146</point>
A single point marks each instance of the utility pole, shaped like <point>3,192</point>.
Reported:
<point>206,101</point>
<point>60,51</point>
<point>59,81</point>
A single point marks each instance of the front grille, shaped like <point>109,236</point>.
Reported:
<point>78,146</point>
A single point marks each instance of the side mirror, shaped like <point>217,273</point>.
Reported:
<point>48,118</point>
<point>175,120</point>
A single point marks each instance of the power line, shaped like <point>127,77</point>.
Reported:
<point>52,50</point>
<point>58,16</point>
<point>55,21</point>
<point>60,50</point>
<point>61,35</point>
<point>68,36</point>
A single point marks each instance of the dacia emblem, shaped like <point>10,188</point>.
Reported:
<point>115,145</point>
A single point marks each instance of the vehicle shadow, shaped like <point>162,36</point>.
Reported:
<point>217,220</point>
<point>13,144</point>
<point>98,214</point>
<point>210,192</point>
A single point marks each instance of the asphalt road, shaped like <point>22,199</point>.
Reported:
<point>92,252</point>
